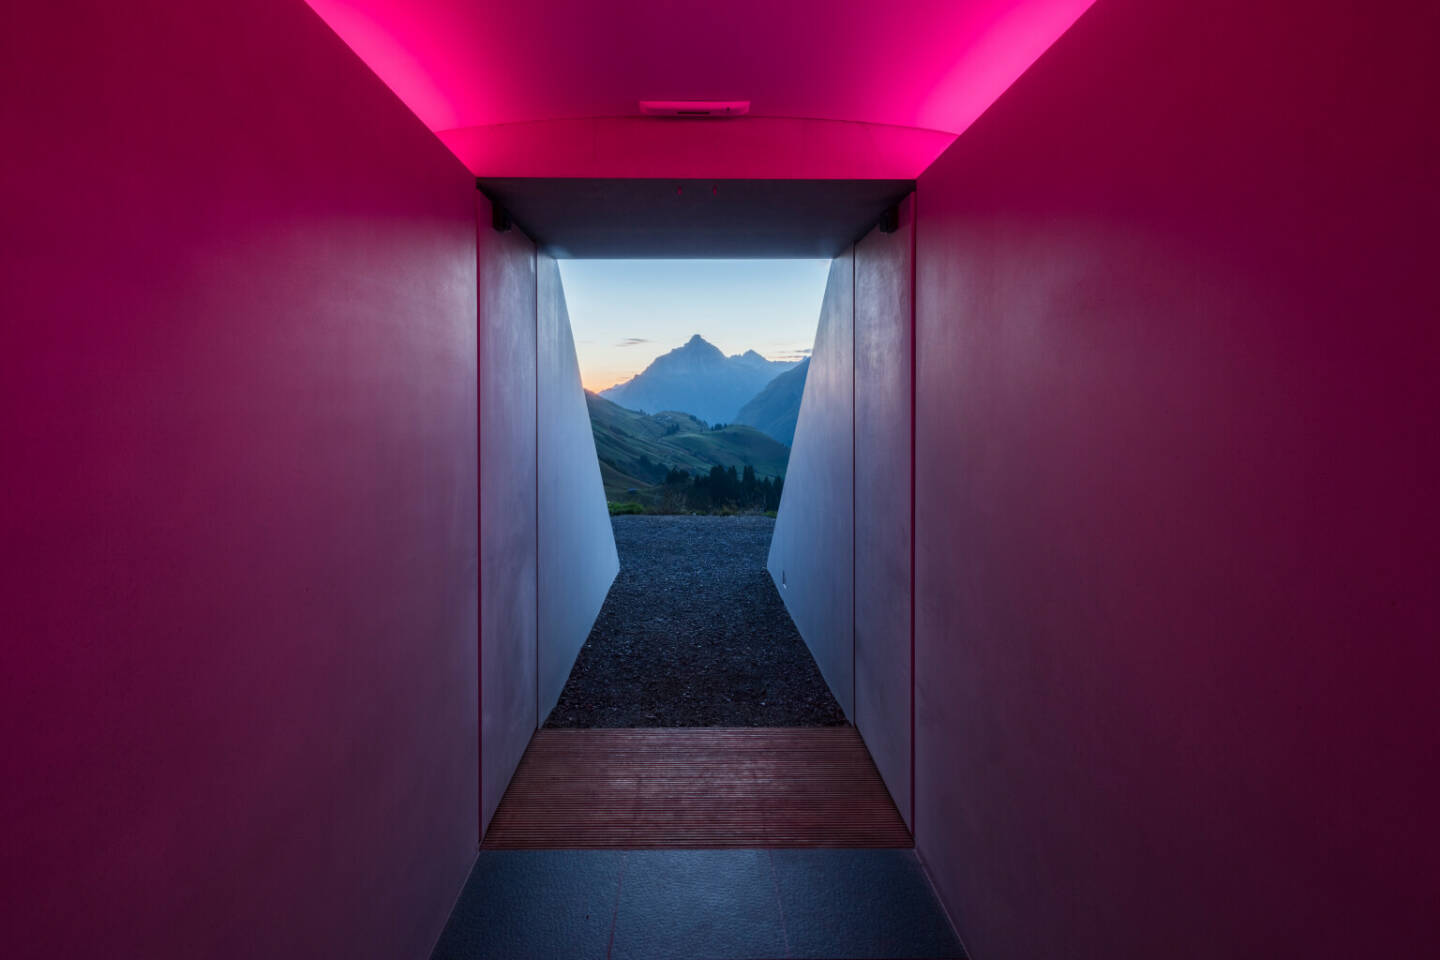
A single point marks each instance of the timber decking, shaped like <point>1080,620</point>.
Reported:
<point>696,788</point>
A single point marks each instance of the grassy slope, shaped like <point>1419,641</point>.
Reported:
<point>774,410</point>
<point>736,445</point>
<point>669,439</point>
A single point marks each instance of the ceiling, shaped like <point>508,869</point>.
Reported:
<point>678,219</point>
<point>928,65</point>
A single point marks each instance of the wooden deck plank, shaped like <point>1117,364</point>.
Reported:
<point>701,788</point>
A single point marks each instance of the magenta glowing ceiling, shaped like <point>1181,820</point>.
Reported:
<point>557,73</point>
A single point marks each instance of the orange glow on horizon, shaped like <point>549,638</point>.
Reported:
<point>598,380</point>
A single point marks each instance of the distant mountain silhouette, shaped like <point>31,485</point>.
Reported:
<point>775,409</point>
<point>697,379</point>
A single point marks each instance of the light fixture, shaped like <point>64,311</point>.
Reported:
<point>694,108</point>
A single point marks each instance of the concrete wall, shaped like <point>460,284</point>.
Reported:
<point>577,556</point>
<point>812,550</point>
<point>509,690</point>
<point>884,278</point>
<point>841,553</point>
<point>1176,472</point>
<point>237,397</point>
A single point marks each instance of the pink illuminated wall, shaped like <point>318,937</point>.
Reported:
<point>1176,491</point>
<point>238,403</point>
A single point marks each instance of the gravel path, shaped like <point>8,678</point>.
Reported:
<point>693,634</point>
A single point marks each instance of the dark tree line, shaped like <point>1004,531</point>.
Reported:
<point>725,487</point>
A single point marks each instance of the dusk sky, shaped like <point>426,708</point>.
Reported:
<point>626,313</point>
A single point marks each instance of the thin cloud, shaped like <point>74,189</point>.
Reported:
<point>632,342</point>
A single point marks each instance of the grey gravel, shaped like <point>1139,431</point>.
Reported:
<point>694,634</point>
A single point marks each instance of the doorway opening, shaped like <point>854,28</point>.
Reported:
<point>694,372</point>
<point>699,676</point>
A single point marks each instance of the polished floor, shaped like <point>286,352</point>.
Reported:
<point>697,788</point>
<point>697,905</point>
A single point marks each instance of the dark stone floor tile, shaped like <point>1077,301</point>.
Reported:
<point>861,904</point>
<point>699,905</point>
<point>534,905</point>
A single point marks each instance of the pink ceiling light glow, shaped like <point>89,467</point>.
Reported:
<point>550,88</point>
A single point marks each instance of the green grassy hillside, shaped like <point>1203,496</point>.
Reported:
<point>636,449</point>
<point>737,445</point>
<point>775,410</point>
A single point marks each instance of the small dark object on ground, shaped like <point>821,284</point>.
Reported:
<point>694,634</point>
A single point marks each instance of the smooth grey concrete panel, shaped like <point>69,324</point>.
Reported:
<point>506,329</point>
<point>576,549</point>
<point>811,554</point>
<point>883,417</point>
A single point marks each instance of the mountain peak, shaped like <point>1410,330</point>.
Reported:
<point>695,350</point>
<point>699,379</point>
<point>755,361</point>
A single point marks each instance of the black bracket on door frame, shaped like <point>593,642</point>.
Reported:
<point>890,220</point>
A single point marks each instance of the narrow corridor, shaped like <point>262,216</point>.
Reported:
<point>1109,520</point>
